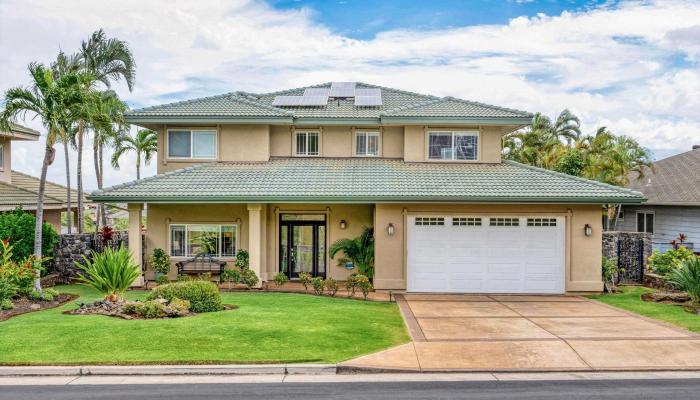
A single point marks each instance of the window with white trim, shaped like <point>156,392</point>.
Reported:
<point>424,221</point>
<point>504,222</point>
<point>645,222</point>
<point>189,240</point>
<point>306,143</point>
<point>466,221</point>
<point>445,145</point>
<point>184,143</point>
<point>366,144</point>
<point>541,222</point>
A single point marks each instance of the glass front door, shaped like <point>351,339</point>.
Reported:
<point>302,247</point>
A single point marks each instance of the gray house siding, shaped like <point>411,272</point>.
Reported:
<point>669,221</point>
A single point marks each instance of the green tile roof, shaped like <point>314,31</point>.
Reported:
<point>347,180</point>
<point>396,103</point>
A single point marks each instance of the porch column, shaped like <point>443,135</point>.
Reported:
<point>255,239</point>
<point>135,210</point>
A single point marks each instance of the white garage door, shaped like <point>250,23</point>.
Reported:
<point>485,254</point>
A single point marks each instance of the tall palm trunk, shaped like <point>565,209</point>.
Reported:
<point>79,167</point>
<point>138,165</point>
<point>100,184</point>
<point>96,162</point>
<point>69,212</point>
<point>48,154</point>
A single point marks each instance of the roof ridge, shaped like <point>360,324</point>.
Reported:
<point>150,178</point>
<point>175,103</point>
<point>577,178</point>
<point>429,96</point>
<point>281,92</point>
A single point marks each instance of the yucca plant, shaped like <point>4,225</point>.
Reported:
<point>687,278</point>
<point>110,272</point>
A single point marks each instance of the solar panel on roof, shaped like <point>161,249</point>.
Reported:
<point>286,101</point>
<point>368,97</point>
<point>314,100</point>
<point>317,91</point>
<point>342,89</point>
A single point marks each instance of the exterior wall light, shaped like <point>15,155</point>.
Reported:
<point>390,229</point>
<point>587,230</point>
<point>343,224</point>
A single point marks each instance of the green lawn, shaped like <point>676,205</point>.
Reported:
<point>266,328</point>
<point>629,299</point>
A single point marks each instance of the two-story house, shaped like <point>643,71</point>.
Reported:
<point>286,174</point>
<point>21,190</point>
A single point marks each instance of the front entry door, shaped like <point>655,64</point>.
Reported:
<point>303,247</point>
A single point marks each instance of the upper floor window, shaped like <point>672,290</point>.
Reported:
<point>192,144</point>
<point>367,144</point>
<point>306,143</point>
<point>452,145</point>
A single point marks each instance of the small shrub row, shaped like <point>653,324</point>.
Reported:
<point>203,296</point>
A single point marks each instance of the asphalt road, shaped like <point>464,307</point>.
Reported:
<point>667,389</point>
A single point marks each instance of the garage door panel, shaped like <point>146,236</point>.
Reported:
<point>486,259</point>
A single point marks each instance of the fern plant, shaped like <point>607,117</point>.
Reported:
<point>110,272</point>
<point>687,278</point>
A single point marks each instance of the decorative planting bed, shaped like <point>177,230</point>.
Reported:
<point>25,305</point>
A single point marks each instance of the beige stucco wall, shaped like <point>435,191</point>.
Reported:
<point>583,254</point>
<point>6,167</point>
<point>159,216</point>
<point>53,217</point>
<point>234,143</point>
<point>280,141</point>
<point>416,148</point>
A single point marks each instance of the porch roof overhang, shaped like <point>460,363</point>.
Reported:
<point>364,180</point>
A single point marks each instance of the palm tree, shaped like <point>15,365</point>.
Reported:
<point>145,145</point>
<point>359,250</point>
<point>55,102</point>
<point>106,60</point>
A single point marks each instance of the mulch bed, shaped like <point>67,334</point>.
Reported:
<point>112,309</point>
<point>23,306</point>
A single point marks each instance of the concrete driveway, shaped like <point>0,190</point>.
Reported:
<point>530,333</point>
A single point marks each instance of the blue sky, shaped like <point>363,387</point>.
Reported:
<point>630,65</point>
<point>363,19</point>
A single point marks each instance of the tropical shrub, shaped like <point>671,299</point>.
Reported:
<point>249,278</point>
<point>110,272</point>
<point>8,290</point>
<point>331,286</point>
<point>305,279</point>
<point>664,263</point>
<point>610,272</point>
<point>281,279</point>
<point>687,278</point>
<point>162,280</point>
<point>158,308</point>
<point>318,284</point>
<point>6,304</point>
<point>351,284</point>
<point>183,278</point>
<point>21,274</point>
<point>160,261</point>
<point>44,295</point>
<point>242,259</point>
<point>359,251</point>
<point>107,234</point>
<point>17,226</point>
<point>231,275</point>
<point>203,296</point>
<point>364,285</point>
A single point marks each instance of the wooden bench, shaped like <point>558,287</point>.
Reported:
<point>203,263</point>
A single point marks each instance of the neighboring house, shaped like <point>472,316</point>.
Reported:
<point>18,189</point>
<point>673,205</point>
<point>286,174</point>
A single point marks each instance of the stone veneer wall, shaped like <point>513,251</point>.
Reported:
<point>72,247</point>
<point>625,247</point>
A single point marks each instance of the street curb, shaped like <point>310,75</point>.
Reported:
<point>144,370</point>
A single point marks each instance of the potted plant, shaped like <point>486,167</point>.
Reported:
<point>160,262</point>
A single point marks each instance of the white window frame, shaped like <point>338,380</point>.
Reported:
<point>453,133</point>
<point>219,224</point>
<point>306,150</point>
<point>193,132</point>
<point>367,134</point>
<point>645,213</point>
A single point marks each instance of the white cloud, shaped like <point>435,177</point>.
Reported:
<point>631,66</point>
